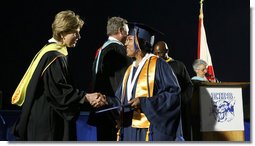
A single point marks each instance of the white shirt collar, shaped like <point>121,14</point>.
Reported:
<point>114,39</point>
<point>52,40</point>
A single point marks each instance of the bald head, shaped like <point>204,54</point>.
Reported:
<point>161,49</point>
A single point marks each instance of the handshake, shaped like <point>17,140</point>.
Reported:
<point>96,99</point>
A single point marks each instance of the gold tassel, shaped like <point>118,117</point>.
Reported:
<point>147,135</point>
<point>118,135</point>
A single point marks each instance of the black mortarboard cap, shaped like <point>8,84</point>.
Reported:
<point>143,31</point>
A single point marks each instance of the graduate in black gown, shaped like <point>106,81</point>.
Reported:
<point>50,102</point>
<point>161,49</point>
<point>151,89</point>
<point>108,70</point>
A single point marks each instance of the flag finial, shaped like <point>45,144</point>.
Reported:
<point>201,15</point>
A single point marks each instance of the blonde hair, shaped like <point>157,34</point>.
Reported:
<point>65,22</point>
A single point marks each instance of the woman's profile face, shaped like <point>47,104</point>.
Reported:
<point>70,39</point>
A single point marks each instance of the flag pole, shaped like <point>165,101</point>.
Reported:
<point>201,16</point>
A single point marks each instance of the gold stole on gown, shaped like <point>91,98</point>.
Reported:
<point>144,88</point>
<point>19,95</point>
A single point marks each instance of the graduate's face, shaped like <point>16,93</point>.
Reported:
<point>130,46</point>
<point>70,39</point>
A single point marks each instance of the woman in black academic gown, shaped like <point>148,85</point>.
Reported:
<point>50,103</point>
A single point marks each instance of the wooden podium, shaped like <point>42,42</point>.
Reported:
<point>217,111</point>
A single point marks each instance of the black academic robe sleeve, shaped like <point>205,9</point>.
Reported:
<point>63,97</point>
<point>183,79</point>
<point>163,108</point>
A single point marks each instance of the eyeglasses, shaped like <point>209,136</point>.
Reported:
<point>202,69</point>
